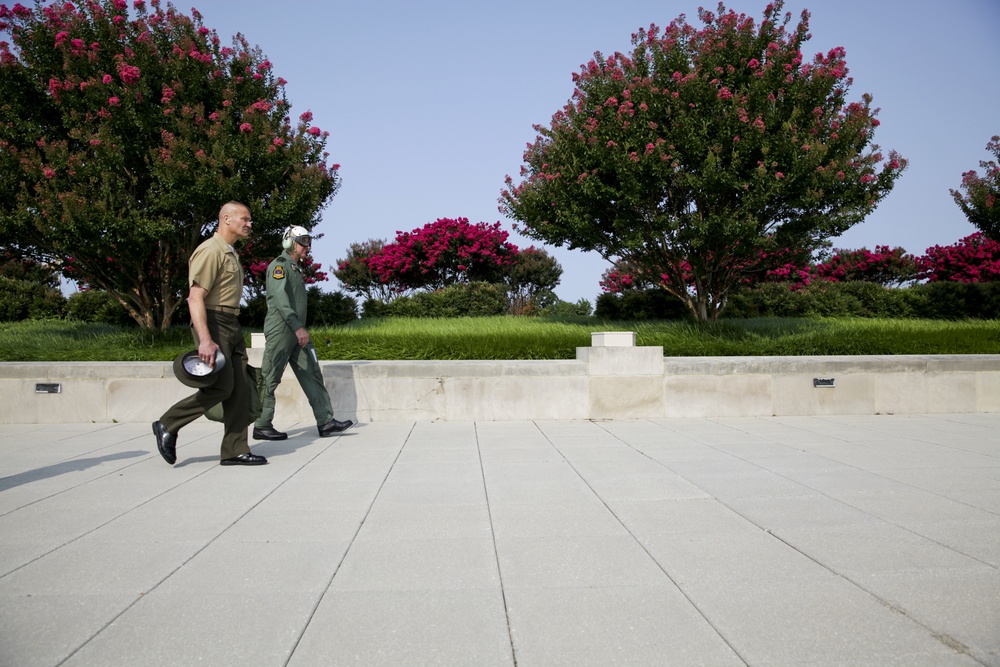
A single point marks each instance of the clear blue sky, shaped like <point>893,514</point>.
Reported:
<point>430,104</point>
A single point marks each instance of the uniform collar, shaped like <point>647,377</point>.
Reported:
<point>290,259</point>
<point>221,242</point>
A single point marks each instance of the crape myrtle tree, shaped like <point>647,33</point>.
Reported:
<point>357,277</point>
<point>533,273</point>
<point>688,154</point>
<point>123,132</point>
<point>979,196</point>
<point>445,252</point>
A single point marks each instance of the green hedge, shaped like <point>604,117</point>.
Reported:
<point>477,299</point>
<point>97,307</point>
<point>654,304</point>
<point>938,301</point>
<point>29,300</point>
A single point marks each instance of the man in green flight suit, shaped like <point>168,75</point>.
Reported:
<point>286,340</point>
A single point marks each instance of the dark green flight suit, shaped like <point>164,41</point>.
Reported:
<point>286,312</point>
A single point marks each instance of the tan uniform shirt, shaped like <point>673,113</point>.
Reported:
<point>215,266</point>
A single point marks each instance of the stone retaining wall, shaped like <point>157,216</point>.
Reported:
<point>601,383</point>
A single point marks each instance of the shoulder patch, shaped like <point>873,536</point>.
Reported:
<point>278,273</point>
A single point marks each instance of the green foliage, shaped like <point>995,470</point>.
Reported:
<point>329,309</point>
<point>121,136</point>
<point>691,153</point>
<point>12,265</point>
<point>979,197</point>
<point>477,299</point>
<point>29,300</point>
<point>253,312</point>
<point>640,304</point>
<point>560,308</point>
<point>938,300</point>
<point>956,300</point>
<point>97,307</point>
<point>356,276</point>
<point>533,273</point>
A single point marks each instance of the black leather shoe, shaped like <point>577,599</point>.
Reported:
<point>268,433</point>
<point>244,460</point>
<point>334,426</point>
<point>166,442</point>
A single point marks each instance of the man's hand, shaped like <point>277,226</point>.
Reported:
<point>199,322</point>
<point>207,350</point>
<point>303,336</point>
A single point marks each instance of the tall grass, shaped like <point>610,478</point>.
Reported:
<point>540,338</point>
<point>527,338</point>
<point>63,340</point>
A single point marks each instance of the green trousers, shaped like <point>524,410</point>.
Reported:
<point>280,349</point>
<point>231,389</point>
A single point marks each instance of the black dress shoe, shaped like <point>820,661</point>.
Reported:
<point>334,426</point>
<point>166,442</point>
<point>268,433</point>
<point>244,460</point>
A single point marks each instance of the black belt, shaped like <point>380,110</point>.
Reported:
<point>229,310</point>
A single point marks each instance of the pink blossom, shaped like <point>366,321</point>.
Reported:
<point>113,101</point>
<point>61,37</point>
<point>129,73</point>
<point>106,79</point>
<point>48,173</point>
<point>246,127</point>
<point>306,117</point>
<point>120,4</point>
<point>779,175</point>
<point>314,131</point>
<point>213,116</point>
<point>95,142</point>
<point>278,141</point>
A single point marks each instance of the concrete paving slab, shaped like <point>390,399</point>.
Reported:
<point>651,625</point>
<point>748,541</point>
<point>427,627</point>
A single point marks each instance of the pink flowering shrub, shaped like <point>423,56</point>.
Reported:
<point>444,252</point>
<point>973,259</point>
<point>884,266</point>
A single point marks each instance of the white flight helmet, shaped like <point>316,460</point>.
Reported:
<point>296,234</point>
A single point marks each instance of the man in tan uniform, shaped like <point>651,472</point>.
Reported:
<point>216,285</point>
